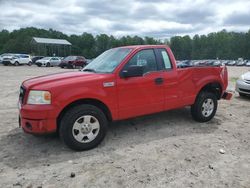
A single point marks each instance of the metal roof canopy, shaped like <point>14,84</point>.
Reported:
<point>51,41</point>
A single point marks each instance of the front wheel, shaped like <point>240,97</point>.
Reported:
<point>83,127</point>
<point>48,65</point>
<point>16,63</point>
<point>30,63</point>
<point>205,107</point>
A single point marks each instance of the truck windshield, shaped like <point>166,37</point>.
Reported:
<point>108,60</point>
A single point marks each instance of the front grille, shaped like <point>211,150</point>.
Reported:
<point>22,94</point>
<point>6,62</point>
<point>245,90</point>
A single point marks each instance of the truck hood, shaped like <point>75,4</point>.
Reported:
<point>55,80</point>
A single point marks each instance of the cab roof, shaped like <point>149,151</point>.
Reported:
<point>144,46</point>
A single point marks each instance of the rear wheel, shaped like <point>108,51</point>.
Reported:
<point>48,64</point>
<point>205,107</point>
<point>83,127</point>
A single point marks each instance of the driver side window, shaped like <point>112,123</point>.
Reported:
<point>145,58</point>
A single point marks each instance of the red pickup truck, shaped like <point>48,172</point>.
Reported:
<point>121,83</point>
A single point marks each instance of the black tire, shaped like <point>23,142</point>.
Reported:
<point>48,65</point>
<point>16,63</point>
<point>71,116</point>
<point>197,109</point>
<point>242,94</point>
<point>39,65</point>
<point>30,63</point>
<point>69,66</point>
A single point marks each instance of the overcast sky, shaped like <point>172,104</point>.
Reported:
<point>155,18</point>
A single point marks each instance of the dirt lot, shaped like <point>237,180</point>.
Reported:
<point>161,150</point>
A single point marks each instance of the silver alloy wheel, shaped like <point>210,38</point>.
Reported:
<point>86,129</point>
<point>207,107</point>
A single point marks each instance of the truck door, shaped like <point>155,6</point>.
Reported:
<point>170,76</point>
<point>144,94</point>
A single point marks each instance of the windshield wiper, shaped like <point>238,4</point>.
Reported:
<point>89,70</point>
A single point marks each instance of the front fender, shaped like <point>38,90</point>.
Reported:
<point>104,95</point>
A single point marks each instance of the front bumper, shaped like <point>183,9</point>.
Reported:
<point>64,64</point>
<point>38,64</point>
<point>38,119</point>
<point>6,62</point>
<point>243,87</point>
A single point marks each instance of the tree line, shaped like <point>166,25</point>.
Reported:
<point>222,45</point>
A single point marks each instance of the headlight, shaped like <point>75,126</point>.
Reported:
<point>39,97</point>
<point>242,77</point>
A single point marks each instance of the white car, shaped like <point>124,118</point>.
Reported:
<point>17,59</point>
<point>248,63</point>
<point>243,84</point>
<point>2,56</point>
<point>48,61</point>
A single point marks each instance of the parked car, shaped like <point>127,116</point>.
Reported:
<point>35,58</point>
<point>240,63</point>
<point>195,62</point>
<point>73,62</point>
<point>121,83</point>
<point>243,84</point>
<point>48,62</point>
<point>217,63</point>
<point>4,55</point>
<point>184,64</point>
<point>248,63</point>
<point>208,62</point>
<point>17,59</point>
<point>231,63</point>
<point>225,62</point>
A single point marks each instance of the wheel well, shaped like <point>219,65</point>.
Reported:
<point>94,102</point>
<point>214,88</point>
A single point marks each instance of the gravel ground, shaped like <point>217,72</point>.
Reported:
<point>167,149</point>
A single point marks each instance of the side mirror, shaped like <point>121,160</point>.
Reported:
<point>133,71</point>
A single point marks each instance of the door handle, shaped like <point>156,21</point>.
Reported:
<point>159,81</point>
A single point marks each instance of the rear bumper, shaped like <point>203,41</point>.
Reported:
<point>38,119</point>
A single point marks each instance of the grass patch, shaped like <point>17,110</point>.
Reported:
<point>234,79</point>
